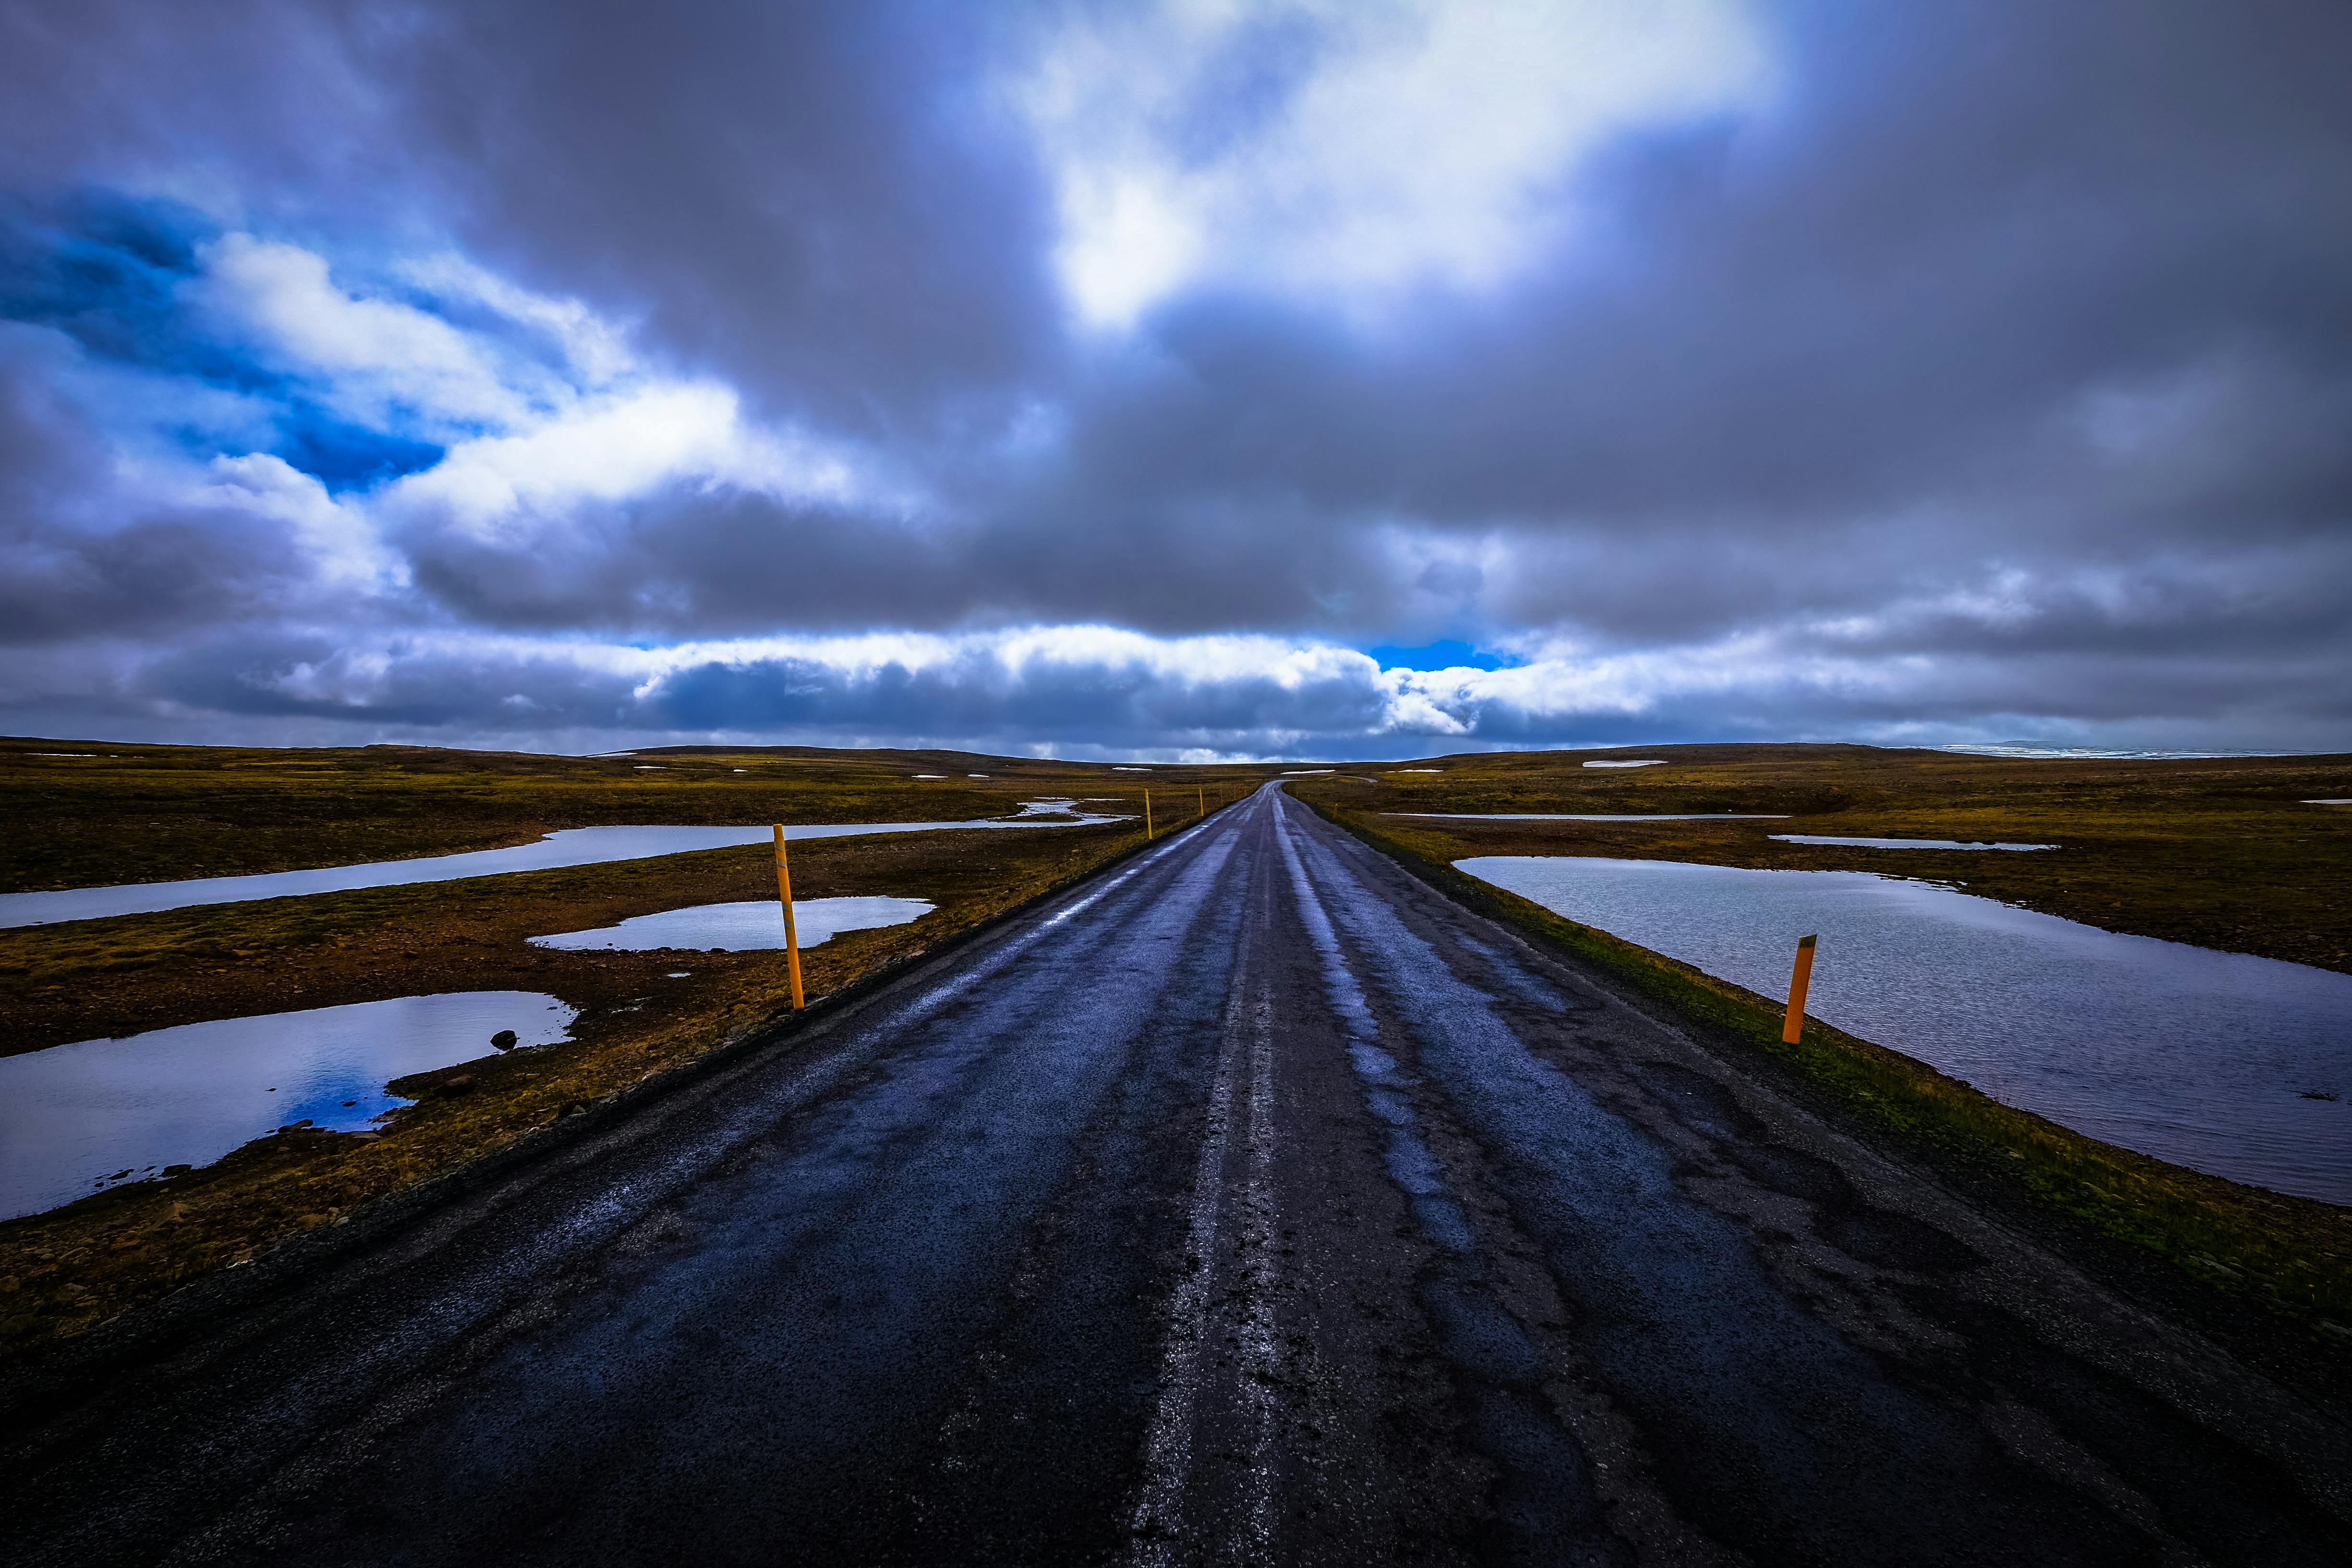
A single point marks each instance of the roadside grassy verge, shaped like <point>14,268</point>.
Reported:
<point>67,1271</point>
<point>2222,852</point>
<point>94,814</point>
<point>86,979</point>
<point>2290,1257</point>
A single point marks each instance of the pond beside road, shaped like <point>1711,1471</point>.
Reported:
<point>752,926</point>
<point>79,1118</point>
<point>2237,1066</point>
<point>565,848</point>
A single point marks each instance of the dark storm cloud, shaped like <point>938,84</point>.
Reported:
<point>2069,277</point>
<point>697,560</point>
<point>294,688</point>
<point>813,199</point>
<point>111,276</point>
<point>687,562</point>
<point>1114,702</point>
<point>78,557</point>
<point>808,198</point>
<point>2001,361</point>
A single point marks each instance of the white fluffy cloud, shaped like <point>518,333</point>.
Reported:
<point>345,547</point>
<point>536,421</point>
<point>1350,148</point>
<point>381,363</point>
<point>605,450</point>
<point>1087,691</point>
<point>596,349</point>
<point>1729,378</point>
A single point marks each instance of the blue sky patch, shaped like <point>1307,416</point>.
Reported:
<point>349,457</point>
<point>107,270</point>
<point>1444,654</point>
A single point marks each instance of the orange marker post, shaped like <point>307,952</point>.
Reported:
<point>1200,797</point>
<point>1799,979</point>
<point>792,936</point>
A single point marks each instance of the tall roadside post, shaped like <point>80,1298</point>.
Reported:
<point>792,935</point>
<point>1799,979</point>
<point>1147,816</point>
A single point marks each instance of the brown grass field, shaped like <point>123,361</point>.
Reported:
<point>2221,852</point>
<point>2216,852</point>
<point>157,813</point>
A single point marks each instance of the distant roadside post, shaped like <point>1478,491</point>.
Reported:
<point>1799,979</point>
<point>792,936</point>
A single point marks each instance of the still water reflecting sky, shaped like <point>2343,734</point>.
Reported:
<point>567,847</point>
<point>77,1118</point>
<point>748,927</point>
<point>2200,1058</point>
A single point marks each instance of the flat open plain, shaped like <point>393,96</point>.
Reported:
<point>1249,1202</point>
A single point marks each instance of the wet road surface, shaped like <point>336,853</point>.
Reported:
<point>1252,1204</point>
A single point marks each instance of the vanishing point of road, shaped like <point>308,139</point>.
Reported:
<point>1250,1203</point>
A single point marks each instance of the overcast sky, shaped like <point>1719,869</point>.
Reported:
<point>1312,379</point>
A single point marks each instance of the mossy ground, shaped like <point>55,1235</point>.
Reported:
<point>2291,1257</point>
<point>139,814</point>
<point>2221,852</point>
<point>64,1272</point>
<point>2216,852</point>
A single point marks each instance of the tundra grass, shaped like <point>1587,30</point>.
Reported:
<point>67,1271</point>
<point>2219,852</point>
<point>2289,1256</point>
<point>93,813</point>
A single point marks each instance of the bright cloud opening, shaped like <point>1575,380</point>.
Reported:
<point>1315,146</point>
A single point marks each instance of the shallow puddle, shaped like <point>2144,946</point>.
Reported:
<point>748,927</point>
<point>1897,843</point>
<point>1053,807</point>
<point>2215,1060</point>
<point>1645,762</point>
<point>76,1119</point>
<point>566,847</point>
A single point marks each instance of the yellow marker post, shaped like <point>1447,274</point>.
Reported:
<point>1201,795</point>
<point>1798,980</point>
<point>1147,814</point>
<point>792,936</point>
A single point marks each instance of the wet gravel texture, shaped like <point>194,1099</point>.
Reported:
<point>1254,1204</point>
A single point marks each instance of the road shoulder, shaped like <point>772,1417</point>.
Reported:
<point>2267,1277</point>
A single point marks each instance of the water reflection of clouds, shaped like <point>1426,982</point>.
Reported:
<point>556,851</point>
<point>755,926</point>
<point>2190,1054</point>
<point>74,1117</point>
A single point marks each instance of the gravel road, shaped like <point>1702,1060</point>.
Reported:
<point>1252,1203</point>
